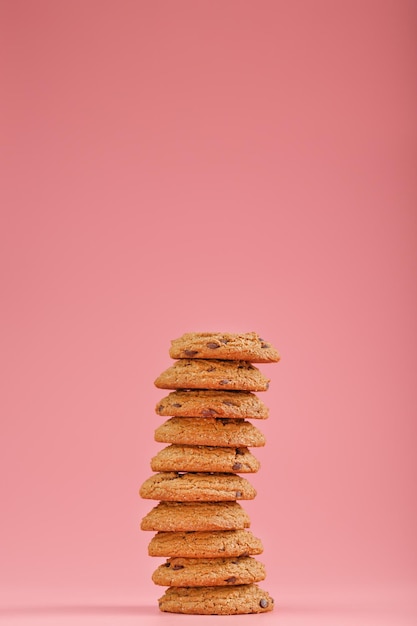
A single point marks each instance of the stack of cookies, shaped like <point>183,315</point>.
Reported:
<point>200,526</point>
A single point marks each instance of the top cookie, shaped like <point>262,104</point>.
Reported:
<point>212,374</point>
<point>227,346</point>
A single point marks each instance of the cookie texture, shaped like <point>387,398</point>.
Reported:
<point>197,403</point>
<point>205,544</point>
<point>246,346</point>
<point>185,516</point>
<point>181,458</point>
<point>236,600</point>
<point>180,572</point>
<point>209,431</point>
<point>212,374</point>
<point>192,487</point>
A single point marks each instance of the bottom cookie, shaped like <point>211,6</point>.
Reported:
<point>236,600</point>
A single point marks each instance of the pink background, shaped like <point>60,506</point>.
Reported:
<point>182,165</point>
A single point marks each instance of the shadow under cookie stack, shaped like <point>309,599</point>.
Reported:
<point>200,526</point>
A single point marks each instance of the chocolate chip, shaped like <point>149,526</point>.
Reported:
<point>177,405</point>
<point>239,451</point>
<point>224,381</point>
<point>237,466</point>
<point>167,564</point>
<point>228,403</point>
<point>260,339</point>
<point>190,352</point>
<point>267,385</point>
<point>213,346</point>
<point>211,369</point>
<point>263,603</point>
<point>264,345</point>
<point>245,554</point>
<point>178,566</point>
<point>208,413</point>
<point>160,407</point>
<point>231,580</point>
<point>238,494</point>
<point>224,340</point>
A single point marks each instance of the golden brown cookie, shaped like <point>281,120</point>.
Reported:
<point>180,458</point>
<point>209,431</point>
<point>212,374</point>
<point>193,487</point>
<point>236,600</point>
<point>180,572</point>
<point>185,516</point>
<point>246,346</point>
<point>205,544</point>
<point>197,403</point>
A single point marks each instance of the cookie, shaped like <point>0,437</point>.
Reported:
<point>183,516</point>
<point>205,544</point>
<point>233,404</point>
<point>212,374</point>
<point>180,572</point>
<point>226,600</point>
<point>246,346</point>
<point>194,487</point>
<point>209,431</point>
<point>178,458</point>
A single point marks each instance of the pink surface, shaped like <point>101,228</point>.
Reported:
<point>211,165</point>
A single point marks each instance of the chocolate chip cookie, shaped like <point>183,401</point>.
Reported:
<point>227,346</point>
<point>181,458</point>
<point>209,431</point>
<point>186,516</point>
<point>205,544</point>
<point>194,487</point>
<point>212,374</point>
<point>180,572</point>
<point>226,600</point>
<point>197,403</point>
